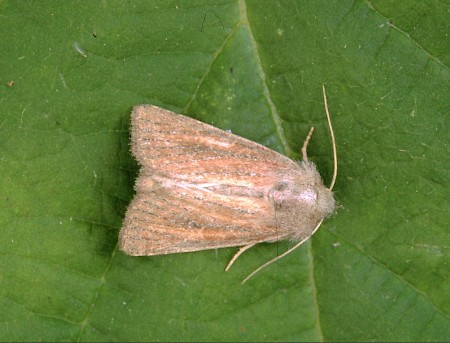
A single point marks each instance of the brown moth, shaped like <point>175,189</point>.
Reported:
<point>202,188</point>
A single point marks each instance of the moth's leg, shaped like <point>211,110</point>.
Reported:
<point>239,253</point>
<point>305,144</point>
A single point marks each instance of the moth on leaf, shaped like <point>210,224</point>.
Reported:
<point>202,188</point>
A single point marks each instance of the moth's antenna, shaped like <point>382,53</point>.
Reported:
<point>305,144</point>
<point>282,255</point>
<point>333,180</point>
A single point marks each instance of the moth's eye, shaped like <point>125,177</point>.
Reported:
<point>281,186</point>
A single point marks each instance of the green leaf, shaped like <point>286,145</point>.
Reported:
<point>377,270</point>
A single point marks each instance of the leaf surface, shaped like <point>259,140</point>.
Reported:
<point>377,270</point>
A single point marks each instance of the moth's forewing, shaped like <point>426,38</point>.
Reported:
<point>186,149</point>
<point>163,221</point>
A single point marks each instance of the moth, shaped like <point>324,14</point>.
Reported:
<point>202,188</point>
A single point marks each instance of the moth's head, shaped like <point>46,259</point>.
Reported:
<point>310,198</point>
<point>299,207</point>
<point>303,192</point>
<point>325,200</point>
